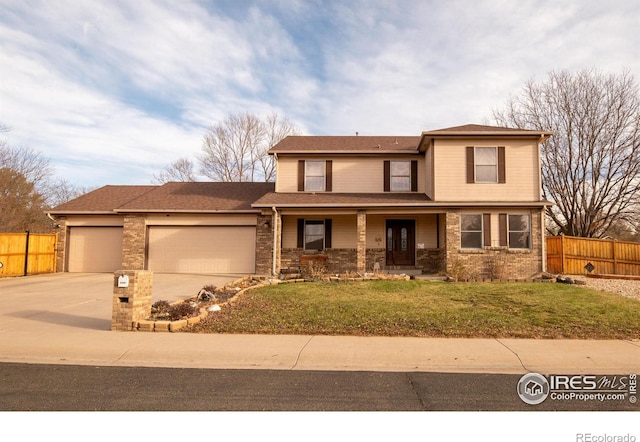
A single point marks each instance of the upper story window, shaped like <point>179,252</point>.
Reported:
<point>486,159</point>
<point>401,176</point>
<point>314,175</point>
<point>485,164</point>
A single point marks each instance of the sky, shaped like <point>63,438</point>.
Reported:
<point>111,92</point>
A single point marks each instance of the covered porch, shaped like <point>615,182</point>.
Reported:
<point>362,240</point>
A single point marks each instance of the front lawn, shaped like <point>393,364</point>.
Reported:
<point>433,309</point>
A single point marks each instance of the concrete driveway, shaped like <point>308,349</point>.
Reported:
<point>81,299</point>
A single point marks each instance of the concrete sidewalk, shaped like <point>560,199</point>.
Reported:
<point>58,320</point>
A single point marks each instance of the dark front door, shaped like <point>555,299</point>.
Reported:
<point>401,236</point>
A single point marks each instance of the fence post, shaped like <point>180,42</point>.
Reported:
<point>615,259</point>
<point>26,254</point>
<point>562,252</point>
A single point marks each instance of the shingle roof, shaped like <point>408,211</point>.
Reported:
<point>478,129</point>
<point>170,197</point>
<point>329,199</point>
<point>102,200</point>
<point>199,197</point>
<point>346,144</point>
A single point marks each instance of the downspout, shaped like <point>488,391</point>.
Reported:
<point>275,240</point>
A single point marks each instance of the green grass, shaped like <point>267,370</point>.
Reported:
<point>433,309</point>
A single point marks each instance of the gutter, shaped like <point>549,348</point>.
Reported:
<point>275,240</point>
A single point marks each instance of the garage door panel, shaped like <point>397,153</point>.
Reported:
<point>228,249</point>
<point>94,249</point>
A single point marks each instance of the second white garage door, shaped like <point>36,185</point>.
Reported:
<point>180,249</point>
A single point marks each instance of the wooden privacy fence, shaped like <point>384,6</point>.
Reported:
<point>27,253</point>
<point>569,255</point>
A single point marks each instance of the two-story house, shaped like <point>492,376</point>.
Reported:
<point>464,197</point>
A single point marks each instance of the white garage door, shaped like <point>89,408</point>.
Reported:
<point>202,249</point>
<point>94,249</point>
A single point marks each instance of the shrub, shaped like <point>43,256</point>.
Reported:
<point>181,310</point>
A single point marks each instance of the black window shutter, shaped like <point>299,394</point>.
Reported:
<point>300,175</point>
<point>502,224</point>
<point>470,165</point>
<point>486,229</point>
<point>328,176</point>
<point>387,176</point>
<point>502,178</point>
<point>300,233</point>
<point>327,233</point>
<point>414,175</point>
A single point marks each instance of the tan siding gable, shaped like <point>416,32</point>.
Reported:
<point>522,174</point>
<point>350,174</point>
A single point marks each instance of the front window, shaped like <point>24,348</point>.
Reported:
<point>401,176</point>
<point>314,235</point>
<point>519,232</point>
<point>314,176</point>
<point>486,162</point>
<point>471,231</point>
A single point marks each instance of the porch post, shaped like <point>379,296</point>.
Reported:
<point>361,250</point>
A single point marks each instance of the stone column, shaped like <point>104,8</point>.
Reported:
<point>131,298</point>
<point>451,236</point>
<point>134,237</point>
<point>361,249</point>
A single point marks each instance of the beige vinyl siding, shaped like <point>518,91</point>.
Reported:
<point>426,230</point>
<point>94,249</point>
<point>199,249</point>
<point>350,174</point>
<point>428,177</point>
<point>95,221</point>
<point>201,220</point>
<point>343,227</point>
<point>522,173</point>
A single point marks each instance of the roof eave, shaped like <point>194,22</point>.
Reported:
<point>239,211</point>
<point>346,152</point>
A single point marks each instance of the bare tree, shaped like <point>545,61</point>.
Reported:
<point>180,170</point>
<point>29,163</point>
<point>236,148</point>
<point>22,206</point>
<point>591,166</point>
<point>62,191</point>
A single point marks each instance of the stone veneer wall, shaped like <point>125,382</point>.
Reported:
<point>264,245</point>
<point>61,245</point>
<point>134,239</point>
<point>376,255</point>
<point>493,262</point>
<point>432,261</point>
<point>338,260</point>
<point>133,303</point>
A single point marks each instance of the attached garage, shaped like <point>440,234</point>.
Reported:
<point>202,249</point>
<point>94,249</point>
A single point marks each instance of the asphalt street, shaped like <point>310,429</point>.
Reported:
<point>42,387</point>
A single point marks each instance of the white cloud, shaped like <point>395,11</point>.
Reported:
<point>112,91</point>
